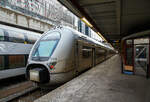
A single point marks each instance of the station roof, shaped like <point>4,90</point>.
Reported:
<point>114,19</point>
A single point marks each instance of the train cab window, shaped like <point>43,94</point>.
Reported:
<point>1,62</point>
<point>46,46</point>
<point>16,37</point>
<point>86,52</point>
<point>1,35</point>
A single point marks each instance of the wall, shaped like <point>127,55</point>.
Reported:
<point>12,17</point>
<point>37,14</point>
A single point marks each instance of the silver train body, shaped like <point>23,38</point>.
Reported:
<point>15,46</point>
<point>61,54</point>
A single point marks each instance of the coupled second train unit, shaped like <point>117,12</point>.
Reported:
<point>61,54</point>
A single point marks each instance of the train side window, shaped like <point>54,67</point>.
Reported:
<point>31,38</point>
<point>26,38</point>
<point>17,61</point>
<point>16,37</point>
<point>100,53</point>
<point>1,35</point>
<point>1,62</point>
<point>86,52</point>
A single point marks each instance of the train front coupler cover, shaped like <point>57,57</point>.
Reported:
<point>38,75</point>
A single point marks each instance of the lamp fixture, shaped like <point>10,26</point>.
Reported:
<point>87,22</point>
<point>101,36</point>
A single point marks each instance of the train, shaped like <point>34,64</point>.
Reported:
<point>15,46</point>
<point>63,53</point>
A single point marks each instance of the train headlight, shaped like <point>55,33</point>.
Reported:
<point>34,75</point>
<point>51,67</point>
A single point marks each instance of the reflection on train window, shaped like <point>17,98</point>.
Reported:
<point>16,61</point>
<point>86,52</point>
<point>1,62</point>
<point>31,39</point>
<point>16,37</point>
<point>1,35</point>
<point>100,53</point>
<point>129,56</point>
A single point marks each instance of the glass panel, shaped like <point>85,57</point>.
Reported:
<point>31,38</point>
<point>141,41</point>
<point>128,41</point>
<point>1,35</point>
<point>140,52</point>
<point>45,48</point>
<point>16,61</point>
<point>141,58</point>
<point>16,37</point>
<point>100,53</point>
<point>129,56</point>
<point>86,52</point>
<point>1,62</point>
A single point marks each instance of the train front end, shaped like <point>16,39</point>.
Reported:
<point>41,59</point>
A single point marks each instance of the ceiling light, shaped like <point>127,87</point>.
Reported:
<point>101,36</point>
<point>86,21</point>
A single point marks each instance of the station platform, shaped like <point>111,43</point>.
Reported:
<point>103,83</point>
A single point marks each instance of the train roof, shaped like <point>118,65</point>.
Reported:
<point>20,30</point>
<point>88,38</point>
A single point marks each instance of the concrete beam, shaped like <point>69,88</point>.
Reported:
<point>19,19</point>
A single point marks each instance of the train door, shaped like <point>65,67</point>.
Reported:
<point>141,56</point>
<point>76,57</point>
<point>93,57</point>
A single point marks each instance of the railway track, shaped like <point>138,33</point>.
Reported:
<point>15,91</point>
<point>23,92</point>
<point>32,95</point>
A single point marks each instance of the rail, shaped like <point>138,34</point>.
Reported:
<point>15,91</point>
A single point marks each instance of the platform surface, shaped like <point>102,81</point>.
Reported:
<point>103,83</point>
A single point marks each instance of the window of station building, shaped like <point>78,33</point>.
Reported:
<point>1,35</point>
<point>129,52</point>
<point>141,51</point>
<point>86,52</point>
<point>16,61</point>
<point>16,37</point>
<point>129,56</point>
<point>1,62</point>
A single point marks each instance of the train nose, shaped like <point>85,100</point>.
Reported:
<point>38,75</point>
